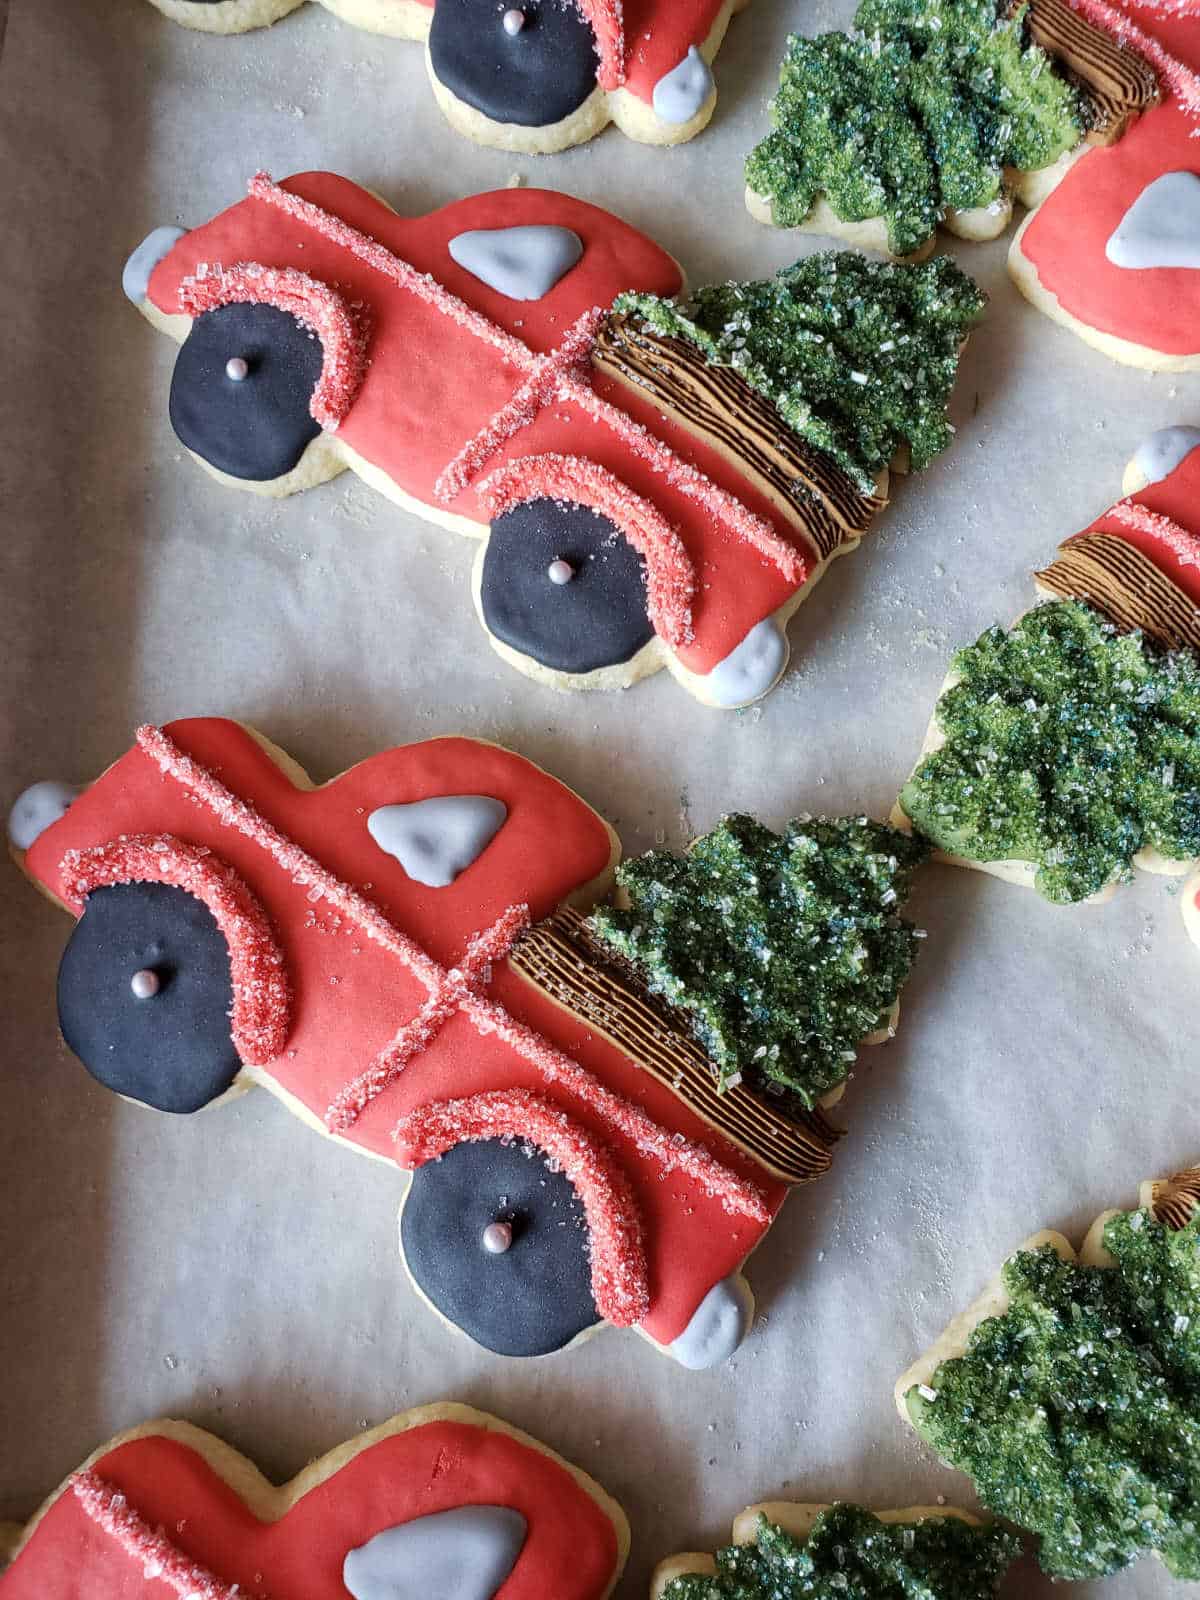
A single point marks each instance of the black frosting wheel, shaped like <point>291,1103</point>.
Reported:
<point>533,76</point>
<point>171,1049</point>
<point>596,618</point>
<point>527,1299</point>
<point>254,425</point>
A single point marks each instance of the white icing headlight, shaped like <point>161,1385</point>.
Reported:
<point>36,808</point>
<point>135,279</point>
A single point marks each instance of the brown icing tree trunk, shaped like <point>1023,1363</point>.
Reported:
<point>562,957</point>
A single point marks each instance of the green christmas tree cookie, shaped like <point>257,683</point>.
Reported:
<point>1065,745</point>
<point>851,1554</point>
<point>783,952</point>
<point>858,357</point>
<point>1074,1401</point>
<point>913,116</point>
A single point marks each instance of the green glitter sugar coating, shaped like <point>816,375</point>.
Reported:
<point>1068,745</point>
<point>858,357</point>
<point>783,951</point>
<point>851,1555</point>
<point>915,112</point>
<point>1077,1412</point>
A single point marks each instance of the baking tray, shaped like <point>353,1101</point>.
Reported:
<point>232,1267</point>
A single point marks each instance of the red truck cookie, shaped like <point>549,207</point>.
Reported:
<point>538,75</point>
<point>636,508</point>
<point>1113,251</point>
<point>380,952</point>
<point>442,1501</point>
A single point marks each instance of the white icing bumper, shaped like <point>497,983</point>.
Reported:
<point>719,1324</point>
<point>750,669</point>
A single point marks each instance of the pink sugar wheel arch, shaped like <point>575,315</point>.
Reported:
<point>315,306</point>
<point>609,27</point>
<point>1177,78</point>
<point>262,997</point>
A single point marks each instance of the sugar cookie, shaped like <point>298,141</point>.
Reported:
<point>1067,1389</point>
<point>540,75</point>
<point>1113,249</point>
<point>1066,751</point>
<point>441,1500</point>
<point>401,955</point>
<point>659,484</point>
<point>791,1550</point>
<point>939,114</point>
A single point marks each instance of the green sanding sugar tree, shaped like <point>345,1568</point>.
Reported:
<point>1077,1412</point>
<point>782,951</point>
<point>851,1555</point>
<point>917,111</point>
<point>1068,745</point>
<point>858,357</point>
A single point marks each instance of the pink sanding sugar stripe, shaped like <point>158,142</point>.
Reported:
<point>1182,544</point>
<point>540,389</point>
<point>261,1017</point>
<point>533,395</point>
<point>670,576</point>
<point>672,1152</point>
<point>313,304</point>
<point>304,870</point>
<point>689,480</point>
<point>160,1560</point>
<point>608,25</point>
<point>409,1041</point>
<point>379,257</point>
<point>474,969</point>
<point>1182,82</point>
<point>620,1279</point>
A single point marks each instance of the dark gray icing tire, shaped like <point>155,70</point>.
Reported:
<point>172,1052</point>
<point>534,78</point>
<point>535,1297</point>
<point>258,428</point>
<point>597,619</point>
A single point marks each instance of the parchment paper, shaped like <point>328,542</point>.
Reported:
<point>237,1270</point>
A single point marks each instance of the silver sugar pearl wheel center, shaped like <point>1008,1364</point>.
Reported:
<point>560,572</point>
<point>237,369</point>
<point>145,984</point>
<point>497,1238</point>
<point>513,21</point>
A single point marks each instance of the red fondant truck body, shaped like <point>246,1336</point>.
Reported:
<point>385,1012</point>
<point>1148,316</point>
<point>169,1510</point>
<point>467,404</point>
<point>553,78</point>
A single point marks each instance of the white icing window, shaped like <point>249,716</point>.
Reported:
<point>463,1554</point>
<point>437,839</point>
<point>522,263</point>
